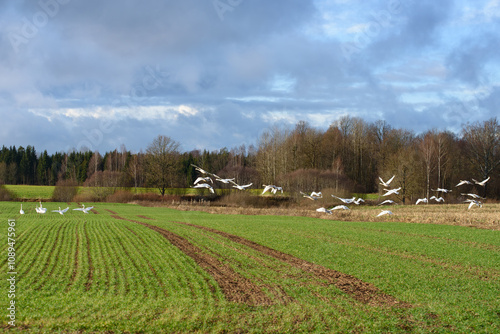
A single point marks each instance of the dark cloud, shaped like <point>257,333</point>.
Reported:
<point>242,66</point>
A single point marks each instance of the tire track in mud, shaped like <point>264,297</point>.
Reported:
<point>75,270</point>
<point>361,291</point>
<point>90,275</point>
<point>236,288</point>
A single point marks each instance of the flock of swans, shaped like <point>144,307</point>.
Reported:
<point>207,181</point>
<point>41,210</point>
<point>203,182</point>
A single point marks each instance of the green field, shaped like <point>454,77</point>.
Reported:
<point>127,268</point>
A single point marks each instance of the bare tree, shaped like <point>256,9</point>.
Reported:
<point>482,143</point>
<point>162,161</point>
<point>427,152</point>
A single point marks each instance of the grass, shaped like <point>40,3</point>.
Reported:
<point>96,273</point>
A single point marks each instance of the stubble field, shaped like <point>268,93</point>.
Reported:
<point>129,268</point>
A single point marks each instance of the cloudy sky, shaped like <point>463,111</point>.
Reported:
<point>216,73</point>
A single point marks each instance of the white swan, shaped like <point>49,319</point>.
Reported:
<point>384,212</point>
<point>437,199</point>
<point>462,182</point>
<point>324,210</point>
<point>386,184</point>
<point>274,189</point>
<point>21,211</point>
<point>84,209</point>
<point>346,200</point>
<point>205,179</point>
<point>422,200</point>
<point>387,201</point>
<point>313,196</point>
<point>340,207</point>
<point>205,185</point>
<point>473,202</point>
<point>482,183</point>
<point>442,190</point>
<point>61,211</point>
<point>472,195</point>
<point>392,191</point>
<point>241,187</point>
<point>40,209</point>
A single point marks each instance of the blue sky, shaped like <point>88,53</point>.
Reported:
<point>213,74</point>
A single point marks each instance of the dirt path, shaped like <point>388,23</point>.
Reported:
<point>235,287</point>
<point>359,290</point>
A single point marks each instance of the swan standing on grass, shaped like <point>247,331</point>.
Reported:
<point>385,212</point>
<point>61,212</point>
<point>482,183</point>
<point>386,184</point>
<point>21,211</point>
<point>40,209</point>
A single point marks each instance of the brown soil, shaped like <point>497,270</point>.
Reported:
<point>90,276</point>
<point>235,287</point>
<point>75,270</point>
<point>111,211</point>
<point>359,290</point>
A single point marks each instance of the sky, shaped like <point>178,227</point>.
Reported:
<point>217,73</point>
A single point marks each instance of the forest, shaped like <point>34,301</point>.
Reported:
<point>347,157</point>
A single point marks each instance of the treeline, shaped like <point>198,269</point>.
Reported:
<point>348,157</point>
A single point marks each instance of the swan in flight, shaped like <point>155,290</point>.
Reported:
<point>472,195</point>
<point>201,170</point>
<point>205,185</point>
<point>205,179</point>
<point>482,183</point>
<point>386,184</point>
<point>422,200</point>
<point>40,209</point>
<point>387,201</point>
<point>392,191</point>
<point>21,211</point>
<point>241,187</point>
<point>272,188</point>
<point>324,210</point>
<point>340,207</point>
<point>61,211</point>
<point>217,178</point>
<point>462,182</point>
<point>442,190</point>
<point>385,212</point>
<point>84,209</point>
<point>346,200</point>
<point>313,196</point>
<point>437,199</point>
<point>358,201</point>
<point>473,202</point>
